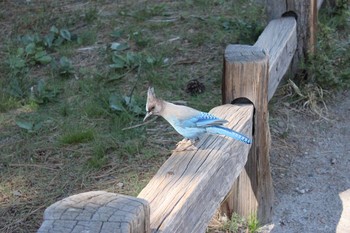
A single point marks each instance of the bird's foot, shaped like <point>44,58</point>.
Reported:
<point>185,145</point>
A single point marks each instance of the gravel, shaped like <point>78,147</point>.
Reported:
<point>310,168</point>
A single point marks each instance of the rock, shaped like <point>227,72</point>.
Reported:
<point>333,161</point>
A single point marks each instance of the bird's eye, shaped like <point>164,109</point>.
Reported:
<point>151,109</point>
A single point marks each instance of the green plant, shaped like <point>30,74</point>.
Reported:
<point>43,93</point>
<point>125,103</point>
<point>65,66</point>
<point>128,60</point>
<point>234,224</point>
<point>91,125</point>
<point>141,40</point>
<point>98,158</point>
<point>8,102</point>
<point>328,67</point>
<point>253,223</point>
<point>91,15</point>
<point>149,11</point>
<point>30,122</point>
<point>77,136</point>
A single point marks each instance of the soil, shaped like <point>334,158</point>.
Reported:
<point>310,168</point>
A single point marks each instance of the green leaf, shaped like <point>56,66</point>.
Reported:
<point>116,66</point>
<point>30,48</point>
<point>65,34</point>
<point>41,87</point>
<point>20,51</point>
<point>26,39</point>
<point>37,126</point>
<point>119,46</point>
<point>116,33</point>
<point>66,66</point>
<point>54,29</point>
<point>40,54</point>
<point>115,103</point>
<point>132,105</point>
<point>79,40</point>
<point>65,62</point>
<point>150,60</point>
<point>42,57</point>
<point>25,124</point>
<point>48,39</point>
<point>131,58</point>
<point>118,62</point>
<point>58,41</point>
<point>16,63</point>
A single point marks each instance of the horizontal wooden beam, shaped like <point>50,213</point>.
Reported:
<point>305,13</point>
<point>188,189</point>
<point>279,40</point>
<point>97,212</point>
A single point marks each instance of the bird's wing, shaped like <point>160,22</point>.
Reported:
<point>204,119</point>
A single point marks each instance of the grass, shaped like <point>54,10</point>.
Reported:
<point>235,224</point>
<point>67,97</point>
<point>327,70</point>
<point>77,136</point>
<point>64,113</point>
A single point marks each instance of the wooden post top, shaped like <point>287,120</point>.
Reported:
<point>244,53</point>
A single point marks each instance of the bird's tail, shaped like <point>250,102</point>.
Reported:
<point>229,132</point>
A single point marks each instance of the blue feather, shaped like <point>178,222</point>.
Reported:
<point>229,132</point>
<point>205,122</point>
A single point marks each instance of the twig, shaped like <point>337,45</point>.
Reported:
<point>31,165</point>
<point>23,218</point>
<point>136,82</point>
<point>145,123</point>
<point>122,75</point>
<point>106,173</point>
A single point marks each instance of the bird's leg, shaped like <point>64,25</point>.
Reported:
<point>185,145</point>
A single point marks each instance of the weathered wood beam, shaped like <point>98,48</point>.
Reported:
<point>279,39</point>
<point>246,75</point>
<point>306,15</point>
<point>97,212</point>
<point>189,187</point>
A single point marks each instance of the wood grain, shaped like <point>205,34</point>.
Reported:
<point>246,75</point>
<point>189,187</point>
<point>97,212</point>
<point>279,39</point>
<point>306,13</point>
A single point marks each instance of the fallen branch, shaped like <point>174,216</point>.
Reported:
<point>145,123</point>
<point>31,165</point>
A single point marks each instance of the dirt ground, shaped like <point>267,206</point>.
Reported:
<point>311,167</point>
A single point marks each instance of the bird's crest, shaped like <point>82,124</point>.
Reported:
<point>151,99</point>
<point>153,105</point>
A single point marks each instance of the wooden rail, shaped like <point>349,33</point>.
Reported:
<point>190,186</point>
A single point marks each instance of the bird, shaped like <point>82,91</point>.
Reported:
<point>187,121</point>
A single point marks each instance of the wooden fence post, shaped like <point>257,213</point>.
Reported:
<point>246,75</point>
<point>306,16</point>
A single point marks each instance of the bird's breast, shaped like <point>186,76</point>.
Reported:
<point>185,130</point>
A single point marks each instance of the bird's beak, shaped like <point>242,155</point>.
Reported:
<point>147,115</point>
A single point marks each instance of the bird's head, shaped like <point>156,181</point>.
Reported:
<point>153,105</point>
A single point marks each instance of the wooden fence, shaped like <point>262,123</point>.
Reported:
<point>191,186</point>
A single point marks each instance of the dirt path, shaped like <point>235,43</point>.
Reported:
<point>311,167</point>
